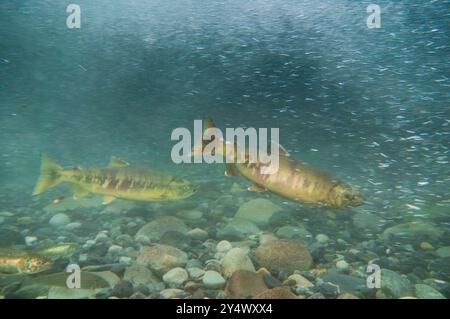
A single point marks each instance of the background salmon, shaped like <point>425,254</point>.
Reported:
<point>22,263</point>
<point>118,180</point>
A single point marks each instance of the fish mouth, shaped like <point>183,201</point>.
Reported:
<point>192,192</point>
<point>358,200</point>
<point>189,192</point>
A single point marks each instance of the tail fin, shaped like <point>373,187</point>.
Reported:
<point>197,150</point>
<point>50,175</point>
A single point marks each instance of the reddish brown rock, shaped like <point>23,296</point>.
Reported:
<point>284,256</point>
<point>244,284</point>
<point>276,293</point>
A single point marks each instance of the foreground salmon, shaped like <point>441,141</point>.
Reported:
<point>293,180</point>
<point>23,263</point>
<point>118,180</point>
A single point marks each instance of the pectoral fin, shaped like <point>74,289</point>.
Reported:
<point>79,191</point>
<point>108,199</point>
<point>257,189</point>
<point>117,162</point>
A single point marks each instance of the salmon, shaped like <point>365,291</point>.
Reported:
<point>293,180</point>
<point>117,180</point>
<point>23,263</point>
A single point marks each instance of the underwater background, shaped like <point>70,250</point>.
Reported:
<point>369,106</point>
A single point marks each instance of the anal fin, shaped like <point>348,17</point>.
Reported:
<point>256,188</point>
<point>108,199</point>
<point>79,191</point>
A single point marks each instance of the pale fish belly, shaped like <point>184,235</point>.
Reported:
<point>295,181</point>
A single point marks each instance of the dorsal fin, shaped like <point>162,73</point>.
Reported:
<point>117,162</point>
<point>282,151</point>
<point>197,150</point>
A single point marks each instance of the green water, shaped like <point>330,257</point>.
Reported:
<point>369,106</point>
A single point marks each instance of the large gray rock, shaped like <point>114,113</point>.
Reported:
<point>236,259</point>
<point>346,283</point>
<point>427,292</point>
<point>258,211</point>
<point>141,275</point>
<point>284,256</point>
<point>443,252</point>
<point>412,232</point>
<point>237,229</point>
<point>154,230</point>
<point>394,285</point>
<point>59,220</point>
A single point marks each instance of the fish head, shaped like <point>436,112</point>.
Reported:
<point>35,264</point>
<point>181,188</point>
<point>343,195</point>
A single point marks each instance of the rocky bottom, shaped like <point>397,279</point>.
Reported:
<point>231,246</point>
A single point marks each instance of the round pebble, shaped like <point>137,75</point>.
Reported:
<point>175,277</point>
<point>426,246</point>
<point>115,250</point>
<point>30,240</point>
<point>59,220</point>
<point>322,238</point>
<point>73,226</point>
<point>124,260</point>
<point>89,243</point>
<point>198,234</point>
<point>123,289</point>
<point>196,273</point>
<point>101,237</point>
<point>213,280</point>
<point>223,246</point>
<point>342,265</point>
